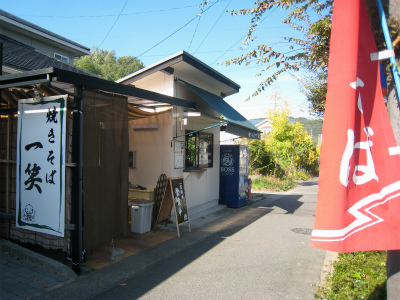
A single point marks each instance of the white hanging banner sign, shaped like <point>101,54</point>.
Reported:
<point>40,180</point>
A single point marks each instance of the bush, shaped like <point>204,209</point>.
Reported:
<point>357,275</point>
<point>271,183</point>
<point>286,149</point>
<point>260,161</point>
<point>300,175</point>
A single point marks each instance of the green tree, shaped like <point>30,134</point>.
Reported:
<point>291,145</point>
<point>314,87</point>
<point>285,151</point>
<point>261,160</point>
<point>310,52</point>
<point>313,127</point>
<point>106,64</point>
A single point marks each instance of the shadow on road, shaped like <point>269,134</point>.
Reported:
<point>307,183</point>
<point>142,282</point>
<point>289,203</point>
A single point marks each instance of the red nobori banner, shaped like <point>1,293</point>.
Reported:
<point>358,206</point>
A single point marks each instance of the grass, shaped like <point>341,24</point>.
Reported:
<point>277,184</point>
<point>270,183</point>
<point>357,275</point>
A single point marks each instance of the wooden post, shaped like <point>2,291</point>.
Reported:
<point>76,201</point>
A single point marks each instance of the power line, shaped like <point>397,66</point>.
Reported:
<point>243,36</point>
<point>94,60</point>
<point>175,31</point>
<point>201,52</point>
<point>107,36</point>
<point>107,16</point>
<point>213,26</point>
<point>167,37</point>
<point>126,2</point>
<point>202,11</point>
<point>194,33</point>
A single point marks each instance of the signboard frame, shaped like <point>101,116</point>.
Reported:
<point>174,198</point>
<point>177,187</point>
<point>40,184</point>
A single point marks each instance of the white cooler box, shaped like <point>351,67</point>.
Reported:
<point>141,213</point>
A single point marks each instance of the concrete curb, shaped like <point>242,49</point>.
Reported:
<point>37,259</point>
<point>327,267</point>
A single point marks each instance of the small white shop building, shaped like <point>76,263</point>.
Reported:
<point>179,141</point>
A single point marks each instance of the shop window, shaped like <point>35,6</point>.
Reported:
<point>199,150</point>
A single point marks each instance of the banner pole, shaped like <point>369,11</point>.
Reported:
<point>389,46</point>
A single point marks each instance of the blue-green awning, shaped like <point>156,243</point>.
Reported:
<point>237,124</point>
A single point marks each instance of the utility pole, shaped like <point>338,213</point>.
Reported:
<point>393,259</point>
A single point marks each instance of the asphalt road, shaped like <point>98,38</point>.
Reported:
<point>264,254</point>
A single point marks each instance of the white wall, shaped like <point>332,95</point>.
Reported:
<point>153,150</point>
<point>154,154</point>
<point>159,82</point>
<point>202,188</point>
<point>229,138</point>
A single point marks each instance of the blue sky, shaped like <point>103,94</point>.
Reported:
<point>154,30</point>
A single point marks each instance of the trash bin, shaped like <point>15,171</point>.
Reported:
<point>141,213</point>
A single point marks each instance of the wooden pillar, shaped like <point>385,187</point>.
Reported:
<point>76,201</point>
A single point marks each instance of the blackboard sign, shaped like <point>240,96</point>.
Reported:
<point>178,191</point>
<point>174,198</point>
